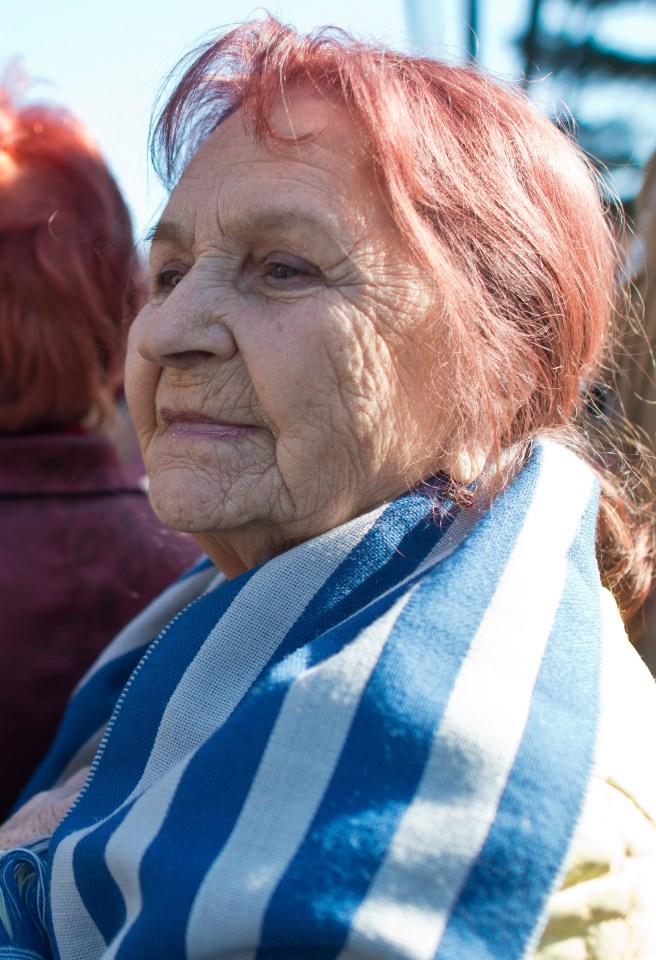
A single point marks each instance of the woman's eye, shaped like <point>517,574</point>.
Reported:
<point>288,274</point>
<point>168,279</point>
<point>283,271</point>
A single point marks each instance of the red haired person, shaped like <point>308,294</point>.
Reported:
<point>81,552</point>
<point>394,714</point>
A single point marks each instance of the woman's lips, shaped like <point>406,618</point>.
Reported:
<point>185,423</point>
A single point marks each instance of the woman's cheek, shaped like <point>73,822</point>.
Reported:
<point>141,380</point>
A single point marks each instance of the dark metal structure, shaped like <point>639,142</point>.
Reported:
<point>592,63</point>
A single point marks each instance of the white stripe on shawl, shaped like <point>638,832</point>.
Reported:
<point>307,749</point>
<point>143,822</point>
<point>479,709</point>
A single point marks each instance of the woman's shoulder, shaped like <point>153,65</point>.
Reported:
<point>606,906</point>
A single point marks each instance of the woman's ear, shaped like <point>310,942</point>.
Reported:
<point>465,466</point>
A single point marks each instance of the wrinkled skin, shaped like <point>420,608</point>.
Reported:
<point>284,375</point>
<point>284,302</point>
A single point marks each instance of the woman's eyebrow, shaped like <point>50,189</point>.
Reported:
<point>168,231</point>
<point>265,219</point>
<point>246,224</point>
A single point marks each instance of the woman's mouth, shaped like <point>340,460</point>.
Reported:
<point>192,425</point>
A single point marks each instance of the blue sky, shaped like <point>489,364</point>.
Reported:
<point>105,60</point>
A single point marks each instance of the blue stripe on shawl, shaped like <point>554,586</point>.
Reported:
<point>384,756</point>
<point>393,548</point>
<point>502,899</point>
<point>20,953</point>
<point>203,563</point>
<point>391,551</point>
<point>99,893</point>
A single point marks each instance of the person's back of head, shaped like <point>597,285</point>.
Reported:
<point>70,277</point>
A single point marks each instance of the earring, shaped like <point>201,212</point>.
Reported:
<point>463,496</point>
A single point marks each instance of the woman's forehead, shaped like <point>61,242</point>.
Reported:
<point>305,129</point>
<point>325,172</point>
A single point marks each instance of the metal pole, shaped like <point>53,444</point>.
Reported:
<point>472,29</point>
<point>530,65</point>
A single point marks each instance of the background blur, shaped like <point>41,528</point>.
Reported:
<point>593,60</point>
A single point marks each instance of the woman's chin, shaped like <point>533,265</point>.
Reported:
<point>186,504</point>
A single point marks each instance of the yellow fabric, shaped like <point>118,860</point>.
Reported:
<point>606,907</point>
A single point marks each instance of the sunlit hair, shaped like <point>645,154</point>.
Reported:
<point>69,273</point>
<point>499,207</point>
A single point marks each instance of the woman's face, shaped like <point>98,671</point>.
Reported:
<point>281,375</point>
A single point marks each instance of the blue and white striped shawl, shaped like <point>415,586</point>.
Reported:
<point>374,745</point>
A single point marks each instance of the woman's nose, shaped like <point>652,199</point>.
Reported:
<point>186,328</point>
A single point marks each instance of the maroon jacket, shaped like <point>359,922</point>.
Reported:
<point>80,554</point>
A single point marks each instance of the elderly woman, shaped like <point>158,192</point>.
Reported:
<point>393,713</point>
<point>81,551</point>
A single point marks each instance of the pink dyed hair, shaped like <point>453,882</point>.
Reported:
<point>499,206</point>
<point>69,272</point>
